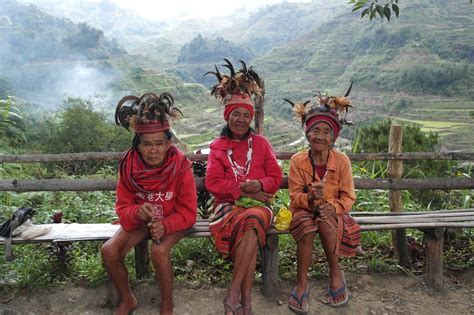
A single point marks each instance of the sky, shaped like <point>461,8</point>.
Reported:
<point>168,10</point>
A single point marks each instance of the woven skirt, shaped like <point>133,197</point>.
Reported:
<point>345,228</point>
<point>229,222</point>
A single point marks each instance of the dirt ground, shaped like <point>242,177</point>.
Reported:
<point>371,294</point>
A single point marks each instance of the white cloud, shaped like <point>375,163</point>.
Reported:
<point>168,10</point>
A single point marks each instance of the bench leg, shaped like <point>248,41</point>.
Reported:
<point>142,259</point>
<point>270,267</point>
<point>434,257</point>
<point>112,294</point>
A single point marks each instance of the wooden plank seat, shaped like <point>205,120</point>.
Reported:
<point>432,223</point>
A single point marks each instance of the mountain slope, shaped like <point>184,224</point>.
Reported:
<point>423,58</point>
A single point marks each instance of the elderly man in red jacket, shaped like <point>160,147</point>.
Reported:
<point>156,196</point>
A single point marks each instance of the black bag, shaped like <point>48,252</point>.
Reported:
<point>19,217</point>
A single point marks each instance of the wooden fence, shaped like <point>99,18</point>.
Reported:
<point>394,183</point>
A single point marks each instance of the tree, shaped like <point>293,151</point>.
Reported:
<point>6,89</point>
<point>11,122</point>
<point>79,128</point>
<point>374,138</point>
<point>373,7</point>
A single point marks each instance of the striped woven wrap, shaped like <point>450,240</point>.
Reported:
<point>344,226</point>
<point>229,222</point>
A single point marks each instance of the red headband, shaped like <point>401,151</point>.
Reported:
<point>238,100</point>
<point>331,121</point>
<point>153,126</point>
<point>230,108</point>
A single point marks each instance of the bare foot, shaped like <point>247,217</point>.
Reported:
<point>247,309</point>
<point>232,304</point>
<point>126,306</point>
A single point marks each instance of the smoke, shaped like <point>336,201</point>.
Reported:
<point>85,82</point>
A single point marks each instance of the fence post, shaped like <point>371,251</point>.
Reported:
<point>259,115</point>
<point>395,170</point>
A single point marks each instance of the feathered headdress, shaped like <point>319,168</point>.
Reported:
<point>329,110</point>
<point>238,87</point>
<point>148,114</point>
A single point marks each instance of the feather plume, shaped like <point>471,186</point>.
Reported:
<point>340,104</point>
<point>145,109</point>
<point>244,80</point>
<point>300,110</point>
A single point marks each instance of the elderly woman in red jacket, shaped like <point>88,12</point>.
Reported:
<point>242,175</point>
<point>156,196</point>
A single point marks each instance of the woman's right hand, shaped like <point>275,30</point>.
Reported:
<point>145,212</point>
<point>260,196</point>
<point>315,192</point>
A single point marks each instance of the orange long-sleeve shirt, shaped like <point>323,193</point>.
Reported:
<point>339,183</point>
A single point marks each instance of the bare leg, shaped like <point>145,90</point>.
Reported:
<point>246,287</point>
<point>113,254</point>
<point>246,248</point>
<point>328,239</point>
<point>161,257</point>
<point>304,254</point>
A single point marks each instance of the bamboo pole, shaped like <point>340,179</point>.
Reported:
<point>367,213</point>
<point>24,185</point>
<point>375,220</point>
<point>395,170</point>
<point>378,227</point>
<point>108,156</point>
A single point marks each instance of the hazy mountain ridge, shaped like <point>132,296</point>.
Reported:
<point>417,68</point>
<point>114,21</point>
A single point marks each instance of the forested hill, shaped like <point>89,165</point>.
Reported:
<point>41,56</point>
<point>43,59</point>
<point>417,68</point>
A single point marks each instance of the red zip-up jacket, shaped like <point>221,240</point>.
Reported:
<point>179,202</point>
<point>220,179</point>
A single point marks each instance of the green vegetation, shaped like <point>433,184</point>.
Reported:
<point>196,260</point>
<point>414,70</point>
<point>203,50</point>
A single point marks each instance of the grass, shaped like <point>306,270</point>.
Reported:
<point>195,260</point>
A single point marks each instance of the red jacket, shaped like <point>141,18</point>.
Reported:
<point>220,179</point>
<point>179,203</point>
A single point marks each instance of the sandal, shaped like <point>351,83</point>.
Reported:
<point>335,294</point>
<point>300,309</point>
<point>232,307</point>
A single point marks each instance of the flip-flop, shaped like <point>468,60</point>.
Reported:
<point>232,307</point>
<point>337,293</point>
<point>300,300</point>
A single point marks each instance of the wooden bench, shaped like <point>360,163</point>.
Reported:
<point>432,223</point>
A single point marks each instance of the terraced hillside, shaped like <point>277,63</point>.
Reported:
<point>424,59</point>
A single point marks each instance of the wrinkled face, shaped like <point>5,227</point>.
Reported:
<point>320,137</point>
<point>153,148</point>
<point>239,122</point>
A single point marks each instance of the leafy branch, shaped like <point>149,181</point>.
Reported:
<point>372,8</point>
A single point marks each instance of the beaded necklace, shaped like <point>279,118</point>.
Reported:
<point>241,172</point>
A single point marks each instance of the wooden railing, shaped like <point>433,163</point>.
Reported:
<point>394,183</point>
<point>25,185</point>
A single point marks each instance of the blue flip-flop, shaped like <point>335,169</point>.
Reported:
<point>335,294</point>
<point>300,300</point>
